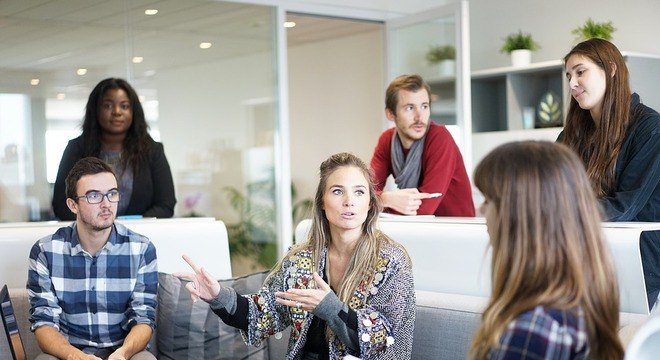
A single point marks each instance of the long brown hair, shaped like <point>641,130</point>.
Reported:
<point>547,244</point>
<point>599,144</point>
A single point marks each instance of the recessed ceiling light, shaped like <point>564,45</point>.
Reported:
<point>137,59</point>
<point>151,12</point>
<point>289,24</point>
<point>142,98</point>
<point>205,45</point>
<point>81,71</point>
<point>61,96</point>
<point>34,82</point>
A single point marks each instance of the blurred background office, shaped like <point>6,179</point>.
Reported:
<point>245,102</point>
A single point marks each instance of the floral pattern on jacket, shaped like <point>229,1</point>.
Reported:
<point>384,303</point>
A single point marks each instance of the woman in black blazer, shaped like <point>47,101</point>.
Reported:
<point>115,130</point>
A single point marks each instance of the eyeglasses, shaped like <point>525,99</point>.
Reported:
<point>96,197</point>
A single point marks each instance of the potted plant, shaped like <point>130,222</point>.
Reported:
<point>592,29</point>
<point>252,238</point>
<point>444,56</point>
<point>520,46</point>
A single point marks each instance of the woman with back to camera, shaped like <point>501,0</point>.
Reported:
<point>115,130</point>
<point>618,140</point>
<point>554,290</point>
<point>348,289</point>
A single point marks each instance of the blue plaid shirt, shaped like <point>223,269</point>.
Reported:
<point>93,300</point>
<point>544,333</point>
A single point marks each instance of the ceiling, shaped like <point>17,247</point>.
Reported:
<point>51,39</point>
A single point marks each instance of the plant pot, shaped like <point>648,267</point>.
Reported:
<point>521,57</point>
<point>447,68</point>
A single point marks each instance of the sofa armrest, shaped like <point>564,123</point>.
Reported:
<point>19,299</point>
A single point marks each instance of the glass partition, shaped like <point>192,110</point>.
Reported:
<point>206,73</point>
<point>435,45</point>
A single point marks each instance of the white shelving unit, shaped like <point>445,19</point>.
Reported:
<point>500,95</point>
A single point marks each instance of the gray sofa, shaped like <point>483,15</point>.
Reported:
<point>443,326</point>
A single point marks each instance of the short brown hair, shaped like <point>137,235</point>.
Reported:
<point>85,166</point>
<point>404,82</point>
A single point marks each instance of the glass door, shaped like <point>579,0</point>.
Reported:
<point>436,45</point>
<point>207,74</point>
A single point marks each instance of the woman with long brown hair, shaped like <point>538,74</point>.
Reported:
<point>618,139</point>
<point>554,290</point>
<point>347,290</point>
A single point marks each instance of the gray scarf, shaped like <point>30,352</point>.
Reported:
<point>407,169</point>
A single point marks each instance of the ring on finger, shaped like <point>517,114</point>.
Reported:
<point>298,305</point>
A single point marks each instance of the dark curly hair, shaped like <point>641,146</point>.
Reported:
<point>136,144</point>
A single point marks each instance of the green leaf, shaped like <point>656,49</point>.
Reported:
<point>592,29</point>
<point>435,54</point>
<point>545,107</point>
<point>519,41</point>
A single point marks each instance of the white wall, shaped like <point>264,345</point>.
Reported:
<point>551,23</point>
<point>336,100</point>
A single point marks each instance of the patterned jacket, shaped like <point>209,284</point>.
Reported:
<point>384,303</point>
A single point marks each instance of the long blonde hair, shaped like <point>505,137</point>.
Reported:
<point>547,244</point>
<point>366,252</point>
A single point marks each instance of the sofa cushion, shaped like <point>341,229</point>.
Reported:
<point>188,330</point>
<point>444,324</point>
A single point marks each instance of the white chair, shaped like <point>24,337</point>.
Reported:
<point>203,239</point>
<point>646,342</point>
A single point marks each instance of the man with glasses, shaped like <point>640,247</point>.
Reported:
<point>92,285</point>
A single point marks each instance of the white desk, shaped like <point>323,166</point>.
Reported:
<point>452,255</point>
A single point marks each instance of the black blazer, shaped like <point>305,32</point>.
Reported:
<point>153,188</point>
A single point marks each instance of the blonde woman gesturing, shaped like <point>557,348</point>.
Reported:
<point>347,290</point>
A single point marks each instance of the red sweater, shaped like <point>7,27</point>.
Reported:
<point>443,172</point>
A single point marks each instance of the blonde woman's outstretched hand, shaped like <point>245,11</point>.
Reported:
<point>201,283</point>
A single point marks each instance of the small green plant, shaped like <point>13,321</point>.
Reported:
<point>519,41</point>
<point>592,29</point>
<point>254,234</point>
<point>439,53</point>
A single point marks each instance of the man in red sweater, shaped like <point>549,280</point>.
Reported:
<point>421,155</point>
